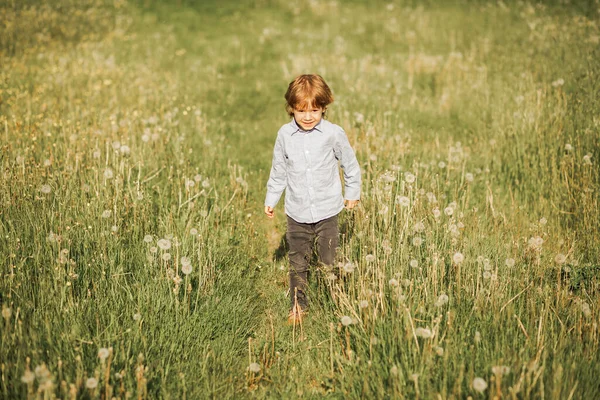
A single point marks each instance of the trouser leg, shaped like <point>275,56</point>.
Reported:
<point>300,239</point>
<point>327,232</point>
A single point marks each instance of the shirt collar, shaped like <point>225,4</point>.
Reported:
<point>296,127</point>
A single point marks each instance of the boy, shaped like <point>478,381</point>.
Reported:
<point>305,164</point>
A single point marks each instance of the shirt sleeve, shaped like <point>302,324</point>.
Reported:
<point>352,176</point>
<point>278,177</point>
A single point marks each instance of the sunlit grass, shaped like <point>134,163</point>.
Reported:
<point>137,261</point>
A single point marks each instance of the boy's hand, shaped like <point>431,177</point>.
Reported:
<point>269,211</point>
<point>350,204</point>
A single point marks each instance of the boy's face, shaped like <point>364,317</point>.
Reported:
<point>308,117</point>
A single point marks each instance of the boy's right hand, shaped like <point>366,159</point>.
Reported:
<point>269,211</point>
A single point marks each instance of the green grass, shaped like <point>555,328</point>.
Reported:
<point>122,122</point>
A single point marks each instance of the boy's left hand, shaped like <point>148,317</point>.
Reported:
<point>350,204</point>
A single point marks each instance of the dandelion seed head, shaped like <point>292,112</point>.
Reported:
<point>185,261</point>
<point>254,367</point>
<point>477,337</point>
<point>96,154</point>
<point>45,189</point>
<point>500,370</point>
<point>424,333</point>
<point>114,228</point>
<point>28,377</point>
<point>448,211</point>
<point>125,150</point>
<point>587,159</point>
<point>479,385</point>
<point>419,227</point>
<point>568,147</point>
<point>186,269</point>
<point>206,183</point>
<point>145,138</point>
<point>193,231</point>
<point>403,201</point>
<point>510,262</point>
<point>164,244</point>
<point>417,241</point>
<point>441,300</point>
<point>439,351</point>
<point>442,165</point>
<point>346,320</point>
<point>106,214</point>
<point>348,268</point>
<point>393,282</point>
<point>394,370</point>
<point>469,177</point>
<point>148,239</point>
<point>487,275</point>
<point>6,312</point>
<point>108,173</point>
<point>103,353</point>
<point>413,263</point>
<point>91,383</point>
<point>543,221</point>
<point>137,317</point>
<point>153,249</point>
<point>166,256</point>
<point>585,309</point>
<point>436,213</point>
<point>409,177</point>
<point>370,258</point>
<point>458,258</point>
<point>560,258</point>
<point>363,304</point>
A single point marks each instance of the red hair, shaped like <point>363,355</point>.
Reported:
<point>307,91</point>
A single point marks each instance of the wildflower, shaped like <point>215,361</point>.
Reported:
<point>137,317</point>
<point>6,313</point>
<point>535,243</point>
<point>348,268</point>
<point>206,183</point>
<point>403,201</point>
<point>185,261</point>
<point>409,177</point>
<point>166,256</point>
<point>103,353</point>
<point>479,259</point>
<point>125,150</point>
<point>587,159</point>
<point>477,337</point>
<point>45,189</point>
<point>393,282</point>
<point>28,377</point>
<point>560,258</point>
<point>359,118</point>
<point>116,145</point>
<point>331,277</point>
<point>106,213</point>
<point>558,82</point>
<point>145,138</point>
<point>186,269</point>
<point>363,304</point>
<point>431,197</point>
<point>91,383</point>
<point>487,275</point>
<point>442,165</point>
<point>419,227</point>
<point>114,228</point>
<point>500,370</point>
<point>153,249</point>
<point>346,320</point>
<point>96,153</point>
<point>543,221</point>
<point>193,231</point>
<point>108,173</point>
<point>469,177</point>
<point>442,299</point>
<point>383,209</point>
<point>425,333</point>
<point>148,238</point>
<point>439,351</point>
<point>479,385</point>
<point>436,213</point>
<point>568,147</point>
<point>458,258</point>
<point>370,258</point>
<point>164,244</point>
<point>417,241</point>
<point>413,263</point>
<point>394,370</point>
<point>254,367</point>
<point>448,211</point>
<point>510,262</point>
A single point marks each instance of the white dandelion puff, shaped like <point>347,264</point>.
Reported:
<point>346,320</point>
<point>568,147</point>
<point>148,239</point>
<point>419,227</point>
<point>45,189</point>
<point>413,263</point>
<point>103,353</point>
<point>348,268</point>
<point>425,333</point>
<point>164,244</point>
<point>403,201</point>
<point>91,383</point>
<point>108,173</point>
<point>137,317</point>
<point>479,385</point>
<point>370,258</point>
<point>106,214</point>
<point>560,258</point>
<point>510,262</point>
<point>448,211</point>
<point>254,367</point>
<point>363,304</point>
<point>442,300</point>
<point>417,241</point>
<point>409,177</point>
<point>186,269</point>
<point>393,282</point>
<point>166,256</point>
<point>458,258</point>
<point>469,177</point>
<point>193,231</point>
<point>28,377</point>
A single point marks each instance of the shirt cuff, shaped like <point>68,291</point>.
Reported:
<point>352,194</point>
<point>272,199</point>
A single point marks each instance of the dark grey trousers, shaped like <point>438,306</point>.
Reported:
<point>301,239</point>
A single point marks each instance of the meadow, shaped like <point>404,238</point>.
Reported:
<point>136,261</point>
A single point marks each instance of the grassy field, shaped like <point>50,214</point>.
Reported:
<point>136,261</point>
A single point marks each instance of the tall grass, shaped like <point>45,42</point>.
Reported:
<point>137,142</point>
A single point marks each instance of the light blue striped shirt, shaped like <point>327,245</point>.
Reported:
<point>306,165</point>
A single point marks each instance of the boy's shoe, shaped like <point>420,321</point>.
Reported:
<point>296,315</point>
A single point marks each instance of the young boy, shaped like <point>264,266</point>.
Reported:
<point>305,164</point>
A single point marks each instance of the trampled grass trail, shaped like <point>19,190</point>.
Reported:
<point>136,144</point>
